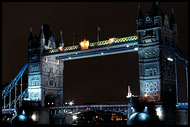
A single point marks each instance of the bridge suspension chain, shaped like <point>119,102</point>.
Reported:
<point>9,88</point>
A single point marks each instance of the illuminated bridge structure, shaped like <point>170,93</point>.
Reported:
<point>116,46</point>
<point>107,47</point>
<point>70,110</point>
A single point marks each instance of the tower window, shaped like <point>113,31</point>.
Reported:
<point>149,33</point>
<point>51,69</point>
<point>146,55</point>
<point>151,72</point>
<point>155,71</point>
<point>146,72</point>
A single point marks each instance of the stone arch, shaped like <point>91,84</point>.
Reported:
<point>49,101</point>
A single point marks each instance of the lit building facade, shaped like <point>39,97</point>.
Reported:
<point>45,74</point>
<point>156,72</point>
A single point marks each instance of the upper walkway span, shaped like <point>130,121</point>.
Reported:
<point>101,48</point>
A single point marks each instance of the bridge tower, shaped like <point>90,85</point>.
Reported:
<point>45,74</point>
<point>156,73</point>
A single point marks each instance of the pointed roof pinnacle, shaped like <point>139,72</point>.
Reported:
<point>42,32</point>
<point>31,29</point>
<point>172,17</point>
<point>140,14</point>
<point>172,11</point>
<point>61,37</point>
<point>157,3</point>
<point>156,10</point>
<point>30,35</point>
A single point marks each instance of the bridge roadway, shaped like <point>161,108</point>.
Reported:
<point>64,110</point>
<point>101,48</point>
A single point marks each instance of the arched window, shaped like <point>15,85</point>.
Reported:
<point>151,72</point>
<point>155,71</point>
<point>146,55</point>
<point>51,83</point>
<point>150,54</point>
<point>147,85</point>
<point>154,54</point>
<point>146,72</point>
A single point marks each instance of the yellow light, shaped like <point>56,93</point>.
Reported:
<point>111,40</point>
<point>145,95</point>
<point>84,44</point>
<point>96,117</point>
<point>34,117</point>
<point>60,48</point>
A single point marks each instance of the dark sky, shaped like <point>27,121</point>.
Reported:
<point>100,79</point>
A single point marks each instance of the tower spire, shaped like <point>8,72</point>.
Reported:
<point>42,32</point>
<point>140,14</point>
<point>61,43</point>
<point>173,18</point>
<point>156,10</point>
<point>129,94</point>
<point>30,35</point>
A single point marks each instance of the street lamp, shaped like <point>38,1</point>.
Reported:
<point>171,59</point>
<point>71,103</point>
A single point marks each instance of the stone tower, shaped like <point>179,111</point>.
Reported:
<point>156,72</point>
<point>45,73</point>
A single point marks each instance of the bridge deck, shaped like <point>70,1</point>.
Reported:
<point>89,106</point>
<point>121,45</point>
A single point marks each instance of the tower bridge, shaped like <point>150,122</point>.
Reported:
<point>157,65</point>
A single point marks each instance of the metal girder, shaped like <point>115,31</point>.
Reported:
<point>14,81</point>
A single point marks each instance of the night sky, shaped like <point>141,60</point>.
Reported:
<point>99,79</point>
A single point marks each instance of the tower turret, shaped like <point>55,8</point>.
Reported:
<point>61,42</point>
<point>157,14</point>
<point>42,40</point>
<point>173,27</point>
<point>30,38</point>
<point>140,18</point>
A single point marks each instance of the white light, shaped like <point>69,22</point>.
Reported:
<point>69,57</point>
<point>74,117</point>
<point>52,103</point>
<point>145,109</point>
<point>27,99</point>
<point>33,117</point>
<point>102,53</point>
<point>57,62</point>
<point>135,48</point>
<point>158,112</point>
<point>127,45</point>
<point>23,112</point>
<point>66,103</point>
<point>170,59</point>
<point>48,103</point>
<point>131,107</point>
<point>71,103</point>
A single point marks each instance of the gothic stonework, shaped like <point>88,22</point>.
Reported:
<point>156,73</point>
<point>45,74</point>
